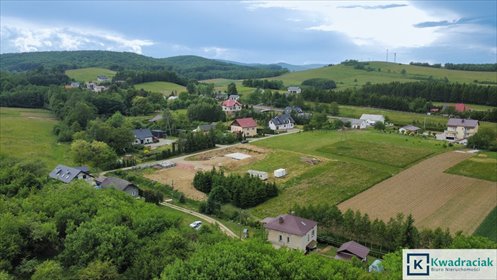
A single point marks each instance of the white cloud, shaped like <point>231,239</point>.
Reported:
<point>216,52</point>
<point>377,24</point>
<point>22,36</point>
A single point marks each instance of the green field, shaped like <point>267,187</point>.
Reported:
<point>474,107</point>
<point>222,85</point>
<point>481,166</point>
<point>27,134</point>
<point>161,87</point>
<point>347,76</point>
<point>352,162</point>
<point>378,152</point>
<point>489,226</point>
<point>89,74</point>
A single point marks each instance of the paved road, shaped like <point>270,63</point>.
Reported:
<point>206,218</point>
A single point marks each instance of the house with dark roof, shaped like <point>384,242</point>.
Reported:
<point>68,174</point>
<point>282,122</point>
<point>143,136</point>
<point>235,97</point>
<point>295,109</point>
<point>408,129</point>
<point>118,184</point>
<point>229,106</point>
<point>459,129</point>
<point>205,128</point>
<point>292,232</point>
<point>352,249</point>
<point>246,126</point>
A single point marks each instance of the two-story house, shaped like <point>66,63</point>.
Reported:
<point>281,122</point>
<point>246,126</point>
<point>291,232</point>
<point>230,106</point>
<point>459,129</point>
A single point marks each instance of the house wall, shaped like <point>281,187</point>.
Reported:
<point>461,132</point>
<point>296,242</point>
<point>272,126</point>
<point>147,140</point>
<point>232,108</point>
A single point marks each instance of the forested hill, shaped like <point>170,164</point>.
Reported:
<point>192,67</point>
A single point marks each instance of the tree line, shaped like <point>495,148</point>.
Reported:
<point>398,232</point>
<point>486,67</point>
<point>137,77</point>
<point>270,84</point>
<point>243,191</point>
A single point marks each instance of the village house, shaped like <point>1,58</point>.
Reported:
<point>459,129</point>
<point>408,129</point>
<point>294,90</point>
<point>281,122</point>
<point>143,136</point>
<point>235,97</point>
<point>355,123</point>
<point>296,109</point>
<point>229,106</point>
<point>246,126</point>
<point>68,174</point>
<point>352,249</point>
<point>118,184</point>
<point>461,107</point>
<point>372,119</point>
<point>102,78</point>
<point>291,232</point>
<point>205,128</point>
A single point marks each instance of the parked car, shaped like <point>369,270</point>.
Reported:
<point>196,225</point>
<point>244,141</point>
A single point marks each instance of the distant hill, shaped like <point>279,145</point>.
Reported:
<point>385,72</point>
<point>290,67</point>
<point>193,67</point>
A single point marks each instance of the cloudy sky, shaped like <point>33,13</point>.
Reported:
<point>259,31</point>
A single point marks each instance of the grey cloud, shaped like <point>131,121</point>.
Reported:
<point>376,7</point>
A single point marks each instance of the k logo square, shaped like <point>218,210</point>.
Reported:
<point>418,264</point>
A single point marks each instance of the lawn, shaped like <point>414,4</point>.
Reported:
<point>377,152</point>
<point>89,74</point>
<point>348,77</point>
<point>27,134</point>
<point>489,226</point>
<point>471,106</point>
<point>161,87</point>
<point>481,166</point>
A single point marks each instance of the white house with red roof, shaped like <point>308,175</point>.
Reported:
<point>291,232</point>
<point>230,106</point>
<point>247,126</point>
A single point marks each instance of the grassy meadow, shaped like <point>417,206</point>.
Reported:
<point>385,72</point>
<point>482,166</point>
<point>89,74</point>
<point>351,162</point>
<point>161,87</point>
<point>489,226</point>
<point>27,134</point>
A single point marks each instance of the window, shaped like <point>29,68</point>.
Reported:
<point>312,233</point>
<point>281,238</point>
<point>288,239</point>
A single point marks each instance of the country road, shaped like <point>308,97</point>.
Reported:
<point>208,219</point>
<point>182,157</point>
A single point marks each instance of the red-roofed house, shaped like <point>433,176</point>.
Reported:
<point>247,126</point>
<point>460,107</point>
<point>230,106</point>
<point>291,232</point>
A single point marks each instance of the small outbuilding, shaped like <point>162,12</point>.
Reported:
<point>352,249</point>
<point>118,184</point>
<point>259,174</point>
<point>278,173</point>
<point>409,129</point>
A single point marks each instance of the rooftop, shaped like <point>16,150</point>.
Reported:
<point>142,133</point>
<point>290,224</point>
<point>245,122</point>
<point>462,122</point>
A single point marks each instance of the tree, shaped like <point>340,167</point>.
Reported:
<point>81,113</point>
<point>485,139</point>
<point>99,270</point>
<point>95,153</point>
<point>379,126</point>
<point>232,88</point>
<point>48,270</point>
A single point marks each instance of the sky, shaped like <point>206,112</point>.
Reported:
<point>297,32</point>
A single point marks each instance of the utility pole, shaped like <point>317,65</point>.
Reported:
<point>387,55</point>
<point>394,57</point>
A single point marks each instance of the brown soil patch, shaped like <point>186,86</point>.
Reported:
<point>181,176</point>
<point>434,198</point>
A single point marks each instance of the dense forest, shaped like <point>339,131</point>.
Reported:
<point>192,67</point>
<point>486,67</point>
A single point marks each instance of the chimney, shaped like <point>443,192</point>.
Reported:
<point>281,220</point>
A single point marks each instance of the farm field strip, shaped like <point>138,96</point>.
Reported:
<point>89,74</point>
<point>431,196</point>
<point>482,166</point>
